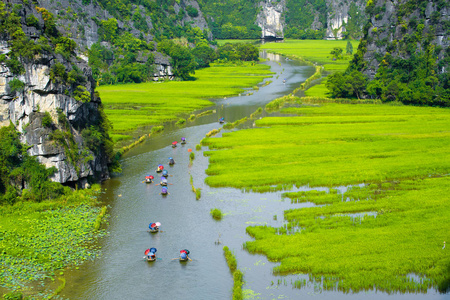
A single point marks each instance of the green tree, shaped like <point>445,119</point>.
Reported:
<point>204,55</point>
<point>336,53</point>
<point>349,48</point>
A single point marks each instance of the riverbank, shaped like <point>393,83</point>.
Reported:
<point>317,53</point>
<point>394,223</point>
<point>130,106</point>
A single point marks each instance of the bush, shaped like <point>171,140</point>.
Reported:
<point>192,11</point>
<point>47,120</point>
<point>16,85</point>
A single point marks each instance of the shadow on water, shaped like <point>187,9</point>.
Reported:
<point>120,272</point>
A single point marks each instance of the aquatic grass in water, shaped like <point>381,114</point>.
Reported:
<point>403,219</point>
<point>231,259</point>
<point>216,213</point>
<point>39,238</point>
<point>350,254</point>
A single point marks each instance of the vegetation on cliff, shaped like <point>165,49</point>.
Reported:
<point>232,19</point>
<point>411,68</point>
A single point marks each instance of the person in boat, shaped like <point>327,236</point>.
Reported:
<point>153,227</point>
<point>174,144</point>
<point>171,161</point>
<point>221,120</point>
<point>183,140</point>
<point>163,181</point>
<point>149,178</point>
<point>151,254</point>
<point>165,173</point>
<point>160,168</point>
<point>184,254</point>
<point>164,191</point>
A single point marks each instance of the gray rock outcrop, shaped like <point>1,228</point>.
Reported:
<point>270,19</point>
<point>42,95</point>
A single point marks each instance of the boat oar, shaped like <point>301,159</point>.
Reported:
<point>189,258</point>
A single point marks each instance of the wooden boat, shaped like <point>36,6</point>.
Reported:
<point>150,259</point>
<point>148,180</point>
<point>159,170</point>
<point>183,142</point>
<point>186,259</point>
<point>163,183</point>
<point>153,230</point>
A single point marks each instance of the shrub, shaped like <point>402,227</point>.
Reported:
<point>16,85</point>
<point>192,11</point>
<point>47,120</point>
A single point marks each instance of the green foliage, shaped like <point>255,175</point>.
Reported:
<point>58,73</point>
<point>234,20</point>
<point>81,94</point>
<point>204,55</point>
<point>192,11</point>
<point>238,51</point>
<point>336,53</point>
<point>300,15</point>
<point>16,85</point>
<point>181,58</point>
<point>31,20</point>
<point>18,168</point>
<point>349,48</point>
<point>345,86</point>
<point>411,69</point>
<point>47,120</point>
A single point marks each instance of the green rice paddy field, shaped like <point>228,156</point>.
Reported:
<point>133,105</point>
<point>314,51</point>
<point>387,234</point>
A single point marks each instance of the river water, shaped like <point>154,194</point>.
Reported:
<point>120,272</point>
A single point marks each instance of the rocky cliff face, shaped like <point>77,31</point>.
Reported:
<point>338,19</point>
<point>270,19</point>
<point>344,16</point>
<point>56,141</point>
<point>401,29</point>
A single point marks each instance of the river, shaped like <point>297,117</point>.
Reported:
<point>120,272</point>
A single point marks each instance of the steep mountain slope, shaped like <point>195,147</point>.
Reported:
<point>48,94</point>
<point>305,19</point>
<point>405,51</point>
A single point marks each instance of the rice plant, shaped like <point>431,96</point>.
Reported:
<point>216,213</point>
<point>390,223</point>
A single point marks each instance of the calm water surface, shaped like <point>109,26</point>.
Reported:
<point>121,273</point>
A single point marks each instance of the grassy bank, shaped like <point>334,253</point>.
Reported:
<point>316,52</point>
<point>130,106</point>
<point>37,239</point>
<point>387,235</point>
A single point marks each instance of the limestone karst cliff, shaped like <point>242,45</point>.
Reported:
<point>270,19</point>
<point>47,93</point>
